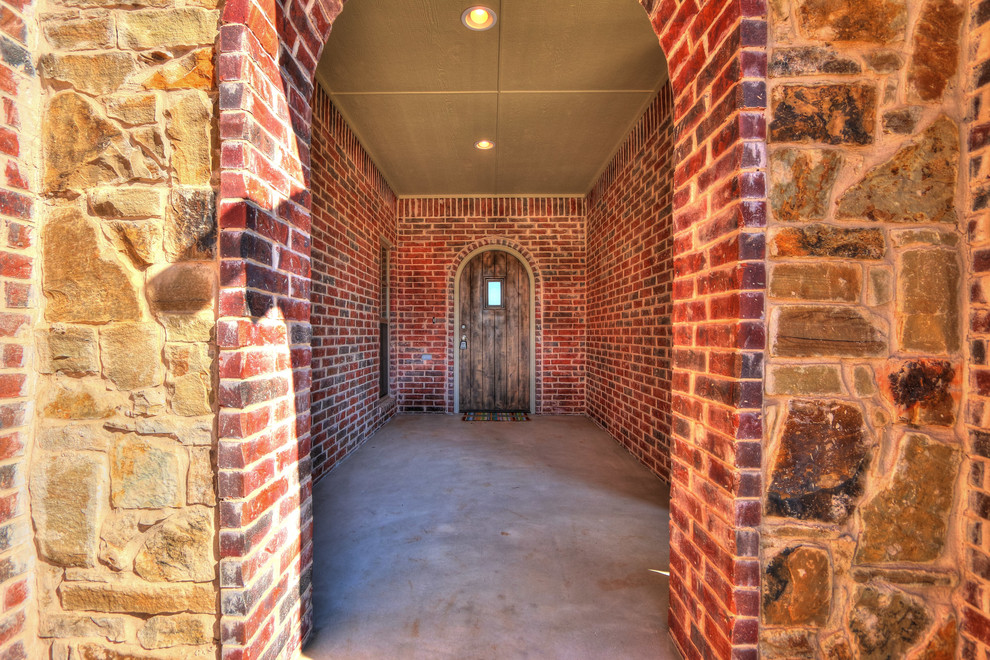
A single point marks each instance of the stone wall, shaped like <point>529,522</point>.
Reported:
<point>122,484</point>
<point>435,234</point>
<point>354,217</point>
<point>629,292</point>
<point>866,362</point>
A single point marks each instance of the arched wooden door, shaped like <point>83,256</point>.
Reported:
<point>494,334</point>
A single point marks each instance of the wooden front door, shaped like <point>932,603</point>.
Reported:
<point>494,334</point>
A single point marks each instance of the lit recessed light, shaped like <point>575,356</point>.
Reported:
<point>478,18</point>
<point>484,145</point>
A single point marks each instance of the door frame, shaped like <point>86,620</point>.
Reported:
<point>455,336</point>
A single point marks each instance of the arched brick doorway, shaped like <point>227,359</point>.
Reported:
<point>267,57</point>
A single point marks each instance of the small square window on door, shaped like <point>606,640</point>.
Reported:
<point>494,293</point>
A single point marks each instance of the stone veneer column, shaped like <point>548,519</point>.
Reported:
<point>122,487</point>
<point>865,367</point>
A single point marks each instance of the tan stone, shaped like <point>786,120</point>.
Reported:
<point>881,288</point>
<point>199,481</point>
<point>817,281</point>
<point>930,237</point>
<point>192,71</point>
<point>802,183</point>
<point>104,651</point>
<point>82,279</point>
<point>193,432</point>
<point>183,359</point>
<point>67,626</point>
<point>161,632</point>
<point>89,33</point>
<point>876,21</point>
<point>191,395</point>
<point>70,350</point>
<point>76,399</point>
<point>74,437</point>
<point>928,284</point>
<point>188,327</point>
<point>133,109</point>
<point>179,550</point>
<point>144,29</point>
<point>184,287</point>
<point>797,587</point>
<point>886,622</point>
<point>129,202</point>
<point>68,491</point>
<point>188,117</point>
<point>866,384</point>
<point>823,331</point>
<point>140,240</point>
<point>145,474</point>
<point>936,49</point>
<point>138,598</point>
<point>191,225</point>
<point>148,402</point>
<point>805,379</point>
<point>132,354</point>
<point>121,535</point>
<point>97,74</point>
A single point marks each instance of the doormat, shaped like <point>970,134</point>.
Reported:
<point>495,417</point>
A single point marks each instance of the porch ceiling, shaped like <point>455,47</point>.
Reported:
<point>557,84</point>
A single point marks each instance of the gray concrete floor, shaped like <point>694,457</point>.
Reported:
<point>447,539</point>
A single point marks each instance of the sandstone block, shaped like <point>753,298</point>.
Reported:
<point>192,71</point>
<point>132,354</point>
<point>94,74</point>
<point>830,114</point>
<point>162,632</point>
<point>191,395</point>
<point>883,61</point>
<point>183,288</point>
<point>141,241</point>
<point>825,331</point>
<point>131,202</point>
<point>816,281</point>
<point>188,327</point>
<point>134,109</point>
<point>886,623</point>
<point>90,33</point>
<point>797,587</point>
<point>809,61</point>
<point>907,520</point>
<point>120,536</point>
<point>880,290</point>
<point>103,651</point>
<point>144,29</point>
<point>149,402</point>
<point>191,226</point>
<point>828,241</point>
<point>138,598</point>
<point>145,475</point>
<point>190,432</point>
<point>178,550</point>
<point>76,400</point>
<point>942,646</point>
<point>70,350</point>
<point>74,437</point>
<point>184,359</point>
<point>803,182</point>
<point>928,284</point>
<point>68,492</point>
<point>936,49</point>
<point>877,21</point>
<point>805,379</point>
<point>83,280</point>
<point>67,626</point>
<point>199,481</point>
<point>901,121</point>
<point>865,382</point>
<point>188,121</point>
<point>922,392</point>
<point>918,184</point>
<point>787,644</point>
<point>903,238</point>
<point>818,470</point>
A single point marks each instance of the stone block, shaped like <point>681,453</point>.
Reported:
<point>139,597</point>
<point>120,537</point>
<point>816,281</point>
<point>191,395</point>
<point>809,61</point>
<point>145,475</point>
<point>185,359</point>
<point>188,122</point>
<point>903,238</point>
<point>129,202</point>
<point>134,109</point>
<point>140,241</point>
<point>67,626</point>
<point>183,288</point>
<point>83,280</point>
<point>96,74</point>
<point>162,632</point>
<point>68,349</point>
<point>820,463</point>
<point>880,289</point>
<point>145,29</point>
<point>68,492</point>
<point>149,402</point>
<point>936,49</point>
<point>901,121</point>
<point>188,327</point>
<point>828,241</point>
<point>199,481</point>
<point>865,382</point>
<point>917,184</point>
<point>90,650</point>
<point>825,331</point>
<point>74,437</point>
<point>876,22</point>
<point>829,114</point>
<point>797,587</point>
<point>928,284</point>
<point>76,400</point>
<point>190,432</point>
<point>886,623</point>
<point>132,354</point>
<point>787,644</point>
<point>922,390</point>
<point>942,645</point>
<point>179,550</point>
<point>89,33</point>
<point>805,380</point>
<point>802,183</point>
<point>907,520</point>
<point>883,61</point>
<point>191,225</point>
<point>192,71</point>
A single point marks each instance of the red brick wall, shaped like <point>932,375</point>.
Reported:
<point>630,273</point>
<point>975,609</point>
<point>353,211</point>
<point>434,236</point>
<point>17,243</point>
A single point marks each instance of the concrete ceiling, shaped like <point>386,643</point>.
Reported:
<point>557,84</point>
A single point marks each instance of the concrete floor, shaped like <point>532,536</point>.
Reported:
<point>448,539</point>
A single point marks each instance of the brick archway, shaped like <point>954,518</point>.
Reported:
<point>268,53</point>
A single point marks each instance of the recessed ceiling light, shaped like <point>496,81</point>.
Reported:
<point>478,18</point>
<point>484,145</point>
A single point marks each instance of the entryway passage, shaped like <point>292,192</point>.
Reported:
<point>441,538</point>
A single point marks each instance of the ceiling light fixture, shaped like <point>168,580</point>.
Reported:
<point>478,18</point>
<point>484,145</point>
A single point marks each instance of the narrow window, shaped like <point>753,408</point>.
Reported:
<point>493,293</point>
<point>384,357</point>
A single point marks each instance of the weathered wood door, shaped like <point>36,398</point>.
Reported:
<point>493,337</point>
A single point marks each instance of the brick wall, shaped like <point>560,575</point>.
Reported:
<point>354,215</point>
<point>18,94</point>
<point>435,235</point>
<point>975,608</point>
<point>630,275</point>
